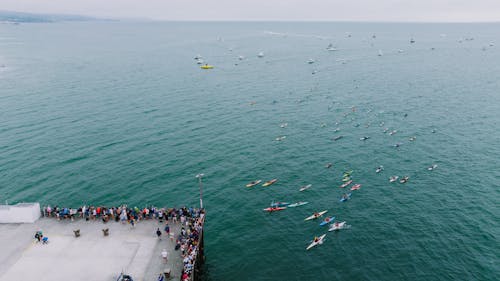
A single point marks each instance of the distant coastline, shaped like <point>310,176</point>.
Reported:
<point>11,17</point>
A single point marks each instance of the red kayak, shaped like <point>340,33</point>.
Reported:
<point>274,209</point>
<point>356,187</point>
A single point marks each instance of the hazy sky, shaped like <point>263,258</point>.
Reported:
<point>334,10</point>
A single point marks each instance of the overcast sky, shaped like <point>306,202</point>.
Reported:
<point>331,10</point>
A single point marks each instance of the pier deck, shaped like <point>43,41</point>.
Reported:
<point>90,257</point>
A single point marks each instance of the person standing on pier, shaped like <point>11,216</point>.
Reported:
<point>158,233</point>
<point>167,229</point>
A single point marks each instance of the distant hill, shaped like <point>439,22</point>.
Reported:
<point>19,17</point>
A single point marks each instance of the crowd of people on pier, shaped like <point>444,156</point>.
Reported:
<point>190,220</point>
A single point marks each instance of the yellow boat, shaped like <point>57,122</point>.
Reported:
<point>207,66</point>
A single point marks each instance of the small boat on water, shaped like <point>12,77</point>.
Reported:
<point>327,220</point>
<point>279,204</point>
<point>356,187</point>
<point>253,183</point>
<point>346,184</point>
<point>434,166</point>
<point>310,61</point>
<point>345,197</point>
<point>260,54</point>
<point>337,138</point>
<point>305,187</point>
<point>379,169</point>
<point>207,66</point>
<point>404,179</point>
<point>316,241</point>
<point>316,215</point>
<point>268,183</point>
<point>338,226</point>
<point>346,179</point>
<point>393,178</point>
<point>348,173</point>
<point>274,209</point>
<point>331,48</point>
<point>300,203</point>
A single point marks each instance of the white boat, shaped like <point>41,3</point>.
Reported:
<point>280,138</point>
<point>316,242</point>
<point>241,57</point>
<point>434,166</point>
<point>331,48</point>
<point>260,55</point>
<point>379,169</point>
<point>315,215</point>
<point>305,187</point>
<point>310,61</point>
<point>393,178</point>
<point>337,226</point>
<point>297,204</point>
<point>380,53</point>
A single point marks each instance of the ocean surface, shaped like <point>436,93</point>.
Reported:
<point>119,112</point>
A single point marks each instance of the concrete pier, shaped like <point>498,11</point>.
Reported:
<point>91,256</point>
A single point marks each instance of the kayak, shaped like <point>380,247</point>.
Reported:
<point>348,173</point>
<point>337,138</point>
<point>337,226</point>
<point>253,183</point>
<point>268,183</point>
<point>274,209</point>
<point>345,199</point>
<point>432,167</point>
<point>279,204</point>
<point>346,184</point>
<point>207,66</point>
<point>346,179</point>
<point>305,187</point>
<point>315,215</point>
<point>356,187</point>
<point>379,169</point>
<point>393,178</point>
<point>297,204</point>
<point>404,179</point>
<point>315,243</point>
<point>327,220</point>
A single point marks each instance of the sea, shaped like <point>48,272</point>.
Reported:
<point>118,112</point>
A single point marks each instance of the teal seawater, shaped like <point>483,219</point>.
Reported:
<point>116,112</point>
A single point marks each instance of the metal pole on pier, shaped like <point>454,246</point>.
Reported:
<point>199,176</point>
